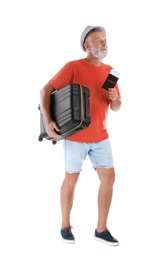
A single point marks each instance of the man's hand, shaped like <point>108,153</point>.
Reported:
<point>50,129</point>
<point>115,103</point>
<point>112,94</point>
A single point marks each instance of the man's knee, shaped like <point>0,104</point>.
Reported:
<point>71,179</point>
<point>106,175</point>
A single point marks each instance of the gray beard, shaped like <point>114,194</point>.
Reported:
<point>99,54</point>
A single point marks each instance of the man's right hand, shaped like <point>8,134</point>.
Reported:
<point>51,128</point>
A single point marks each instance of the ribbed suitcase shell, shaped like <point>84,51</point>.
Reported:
<point>70,109</point>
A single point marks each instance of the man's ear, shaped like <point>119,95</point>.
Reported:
<point>87,46</point>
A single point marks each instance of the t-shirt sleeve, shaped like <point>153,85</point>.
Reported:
<point>63,77</point>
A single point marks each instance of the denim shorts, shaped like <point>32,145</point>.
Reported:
<point>100,155</point>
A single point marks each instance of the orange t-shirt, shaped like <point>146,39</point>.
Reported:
<point>93,77</point>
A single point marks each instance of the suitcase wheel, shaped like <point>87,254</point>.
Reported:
<point>40,139</point>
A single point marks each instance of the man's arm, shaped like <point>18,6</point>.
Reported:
<point>45,99</point>
<point>115,102</point>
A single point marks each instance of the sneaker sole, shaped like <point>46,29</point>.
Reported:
<point>106,242</point>
<point>68,241</point>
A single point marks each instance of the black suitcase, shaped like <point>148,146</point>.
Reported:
<point>70,109</point>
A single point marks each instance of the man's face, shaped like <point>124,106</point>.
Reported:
<point>97,44</point>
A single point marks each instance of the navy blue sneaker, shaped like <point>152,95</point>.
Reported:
<point>67,235</point>
<point>106,237</point>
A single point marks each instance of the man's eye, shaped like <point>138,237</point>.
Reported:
<point>101,41</point>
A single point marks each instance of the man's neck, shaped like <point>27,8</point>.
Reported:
<point>94,61</point>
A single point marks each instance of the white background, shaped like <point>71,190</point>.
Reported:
<point>37,38</point>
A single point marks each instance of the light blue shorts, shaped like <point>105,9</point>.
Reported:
<point>100,155</point>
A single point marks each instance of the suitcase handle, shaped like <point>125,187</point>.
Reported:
<point>87,106</point>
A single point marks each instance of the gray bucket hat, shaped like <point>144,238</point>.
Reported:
<point>85,33</point>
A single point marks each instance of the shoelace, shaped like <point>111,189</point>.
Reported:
<point>107,232</point>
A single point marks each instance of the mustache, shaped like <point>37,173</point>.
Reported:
<point>101,49</point>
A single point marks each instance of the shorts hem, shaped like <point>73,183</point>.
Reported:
<point>73,172</point>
